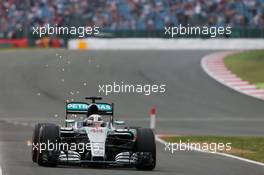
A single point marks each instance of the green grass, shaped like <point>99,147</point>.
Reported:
<point>247,147</point>
<point>248,65</point>
<point>260,85</point>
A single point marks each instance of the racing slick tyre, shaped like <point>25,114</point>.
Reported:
<point>49,134</point>
<point>146,149</point>
<point>35,141</point>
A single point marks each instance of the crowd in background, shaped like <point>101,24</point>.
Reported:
<point>20,15</point>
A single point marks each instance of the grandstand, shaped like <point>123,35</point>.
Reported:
<point>17,17</point>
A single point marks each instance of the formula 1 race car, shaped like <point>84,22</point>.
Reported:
<point>91,137</point>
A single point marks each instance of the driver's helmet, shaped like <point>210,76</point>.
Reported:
<point>94,120</point>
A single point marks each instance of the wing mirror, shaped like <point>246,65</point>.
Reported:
<point>119,122</point>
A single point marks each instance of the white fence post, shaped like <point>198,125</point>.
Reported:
<point>152,115</point>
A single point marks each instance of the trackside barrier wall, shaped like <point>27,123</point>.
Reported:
<point>164,44</point>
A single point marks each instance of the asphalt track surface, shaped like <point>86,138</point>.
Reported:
<point>35,84</point>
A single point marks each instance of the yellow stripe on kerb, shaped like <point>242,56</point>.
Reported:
<point>83,45</point>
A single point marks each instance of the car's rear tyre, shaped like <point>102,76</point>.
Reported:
<point>146,148</point>
<point>35,141</point>
<point>49,134</point>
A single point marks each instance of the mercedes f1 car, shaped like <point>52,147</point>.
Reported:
<point>91,136</point>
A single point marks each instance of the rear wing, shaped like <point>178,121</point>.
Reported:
<point>82,108</point>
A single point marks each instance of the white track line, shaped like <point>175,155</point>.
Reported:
<point>254,91</point>
<point>158,139</point>
<point>246,87</point>
<point>1,172</point>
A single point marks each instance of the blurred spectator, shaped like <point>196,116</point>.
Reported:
<point>18,16</point>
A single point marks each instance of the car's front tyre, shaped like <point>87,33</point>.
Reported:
<point>146,149</point>
<point>35,142</point>
<point>49,134</point>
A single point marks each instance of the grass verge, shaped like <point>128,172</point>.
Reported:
<point>247,147</point>
<point>248,65</point>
